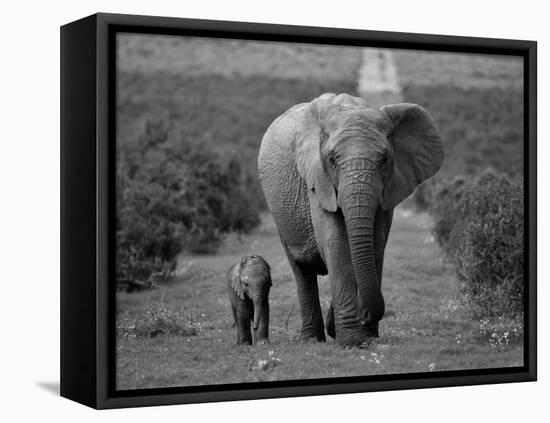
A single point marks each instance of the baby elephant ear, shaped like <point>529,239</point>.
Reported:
<point>236,282</point>
<point>268,272</point>
<point>417,151</point>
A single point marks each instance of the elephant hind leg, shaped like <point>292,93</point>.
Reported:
<point>308,298</point>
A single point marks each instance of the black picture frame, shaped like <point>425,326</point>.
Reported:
<point>87,209</point>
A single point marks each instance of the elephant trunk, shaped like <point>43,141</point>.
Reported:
<point>260,322</point>
<point>359,197</point>
<point>261,307</point>
<point>257,315</point>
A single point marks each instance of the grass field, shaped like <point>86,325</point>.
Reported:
<point>222,91</point>
<point>197,56</point>
<point>424,329</point>
<point>465,71</point>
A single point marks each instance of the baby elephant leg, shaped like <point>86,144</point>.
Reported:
<point>242,322</point>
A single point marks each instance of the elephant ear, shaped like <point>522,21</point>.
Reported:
<point>417,151</point>
<point>309,140</point>
<point>236,282</point>
<point>268,271</point>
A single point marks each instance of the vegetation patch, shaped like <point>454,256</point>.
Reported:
<point>479,224</point>
<point>500,332</point>
<point>172,196</point>
<point>478,213</point>
<point>157,319</point>
<point>197,56</point>
<point>467,71</point>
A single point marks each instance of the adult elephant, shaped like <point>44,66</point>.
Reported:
<point>332,171</point>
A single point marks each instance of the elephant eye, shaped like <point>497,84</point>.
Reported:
<point>332,161</point>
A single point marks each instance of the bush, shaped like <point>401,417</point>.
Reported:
<point>479,224</point>
<point>490,257</point>
<point>444,197</point>
<point>157,319</point>
<point>173,195</point>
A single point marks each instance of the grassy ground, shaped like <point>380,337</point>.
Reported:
<point>424,329</point>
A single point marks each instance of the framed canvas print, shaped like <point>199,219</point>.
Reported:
<point>256,211</point>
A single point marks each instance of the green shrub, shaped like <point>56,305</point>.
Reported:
<point>173,195</point>
<point>479,224</point>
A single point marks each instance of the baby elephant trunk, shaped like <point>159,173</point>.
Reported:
<point>257,314</point>
<point>260,322</point>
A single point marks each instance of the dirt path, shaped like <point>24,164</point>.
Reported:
<point>424,328</point>
<point>377,80</point>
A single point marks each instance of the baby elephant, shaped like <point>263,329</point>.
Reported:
<point>248,287</point>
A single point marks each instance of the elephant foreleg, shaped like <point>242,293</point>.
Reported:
<point>308,298</point>
<point>383,221</point>
<point>343,320</point>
